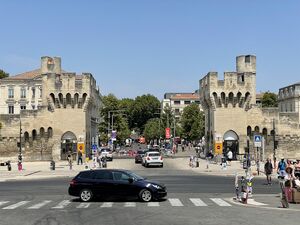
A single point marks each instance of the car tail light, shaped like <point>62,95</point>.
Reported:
<point>161,158</point>
<point>72,182</point>
<point>148,158</point>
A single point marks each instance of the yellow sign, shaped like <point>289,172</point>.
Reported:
<point>80,147</point>
<point>218,148</point>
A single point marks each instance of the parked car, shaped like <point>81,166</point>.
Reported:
<point>115,183</point>
<point>153,158</point>
<point>139,156</point>
<point>106,152</point>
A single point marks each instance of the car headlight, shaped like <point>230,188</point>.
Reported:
<point>156,186</point>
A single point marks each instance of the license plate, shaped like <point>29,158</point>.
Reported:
<point>155,158</point>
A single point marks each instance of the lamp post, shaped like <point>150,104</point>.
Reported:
<point>20,147</point>
<point>274,142</point>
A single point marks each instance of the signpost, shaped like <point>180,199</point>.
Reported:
<point>168,133</point>
<point>257,141</point>
<point>80,147</point>
<point>218,148</point>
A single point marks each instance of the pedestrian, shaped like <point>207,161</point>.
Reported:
<point>182,147</point>
<point>281,168</point>
<point>229,157</point>
<point>268,171</point>
<point>70,160</point>
<point>79,158</point>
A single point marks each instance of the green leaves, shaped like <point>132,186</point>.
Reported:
<point>3,74</point>
<point>269,100</point>
<point>192,122</point>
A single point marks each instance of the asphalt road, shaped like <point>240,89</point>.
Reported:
<point>192,199</point>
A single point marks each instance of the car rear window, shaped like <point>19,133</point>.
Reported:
<point>154,154</point>
<point>86,175</point>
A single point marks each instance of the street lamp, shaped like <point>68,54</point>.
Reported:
<point>20,147</point>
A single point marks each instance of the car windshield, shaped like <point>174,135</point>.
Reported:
<point>135,176</point>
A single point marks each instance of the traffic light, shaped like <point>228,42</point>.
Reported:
<point>20,157</point>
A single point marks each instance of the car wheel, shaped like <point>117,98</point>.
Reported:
<point>86,195</point>
<point>145,195</point>
<point>146,165</point>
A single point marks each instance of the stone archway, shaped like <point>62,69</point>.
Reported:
<point>68,144</point>
<point>231,142</point>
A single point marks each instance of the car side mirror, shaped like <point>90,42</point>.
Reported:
<point>130,179</point>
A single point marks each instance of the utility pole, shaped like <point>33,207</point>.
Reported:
<point>274,142</point>
<point>20,147</point>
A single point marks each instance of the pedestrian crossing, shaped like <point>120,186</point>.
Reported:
<point>69,204</point>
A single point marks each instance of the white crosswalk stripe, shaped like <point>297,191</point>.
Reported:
<point>4,202</point>
<point>220,202</point>
<point>153,204</point>
<point>107,205</point>
<point>62,204</point>
<point>83,205</point>
<point>130,204</point>
<point>175,202</point>
<point>198,202</point>
<point>14,206</point>
<point>40,205</point>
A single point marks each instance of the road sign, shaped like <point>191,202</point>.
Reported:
<point>218,148</point>
<point>80,147</point>
<point>257,141</point>
<point>168,133</point>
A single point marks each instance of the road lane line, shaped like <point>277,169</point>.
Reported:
<point>130,204</point>
<point>14,206</point>
<point>3,202</point>
<point>40,205</point>
<point>198,202</point>
<point>175,202</point>
<point>107,205</point>
<point>220,202</point>
<point>153,204</point>
<point>251,201</point>
<point>62,204</point>
<point>83,205</point>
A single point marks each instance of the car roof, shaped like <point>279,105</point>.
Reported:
<point>111,170</point>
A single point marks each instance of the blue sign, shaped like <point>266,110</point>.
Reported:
<point>94,147</point>
<point>257,141</point>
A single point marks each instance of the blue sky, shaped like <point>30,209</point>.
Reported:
<point>133,47</point>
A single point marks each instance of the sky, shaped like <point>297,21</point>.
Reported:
<point>136,47</point>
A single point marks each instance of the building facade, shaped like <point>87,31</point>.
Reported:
<point>233,115</point>
<point>178,101</point>
<point>54,109</point>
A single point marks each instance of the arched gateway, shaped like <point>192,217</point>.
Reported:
<point>231,142</point>
<point>68,143</point>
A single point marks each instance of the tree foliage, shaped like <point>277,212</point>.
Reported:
<point>269,100</point>
<point>153,129</point>
<point>3,74</point>
<point>192,122</point>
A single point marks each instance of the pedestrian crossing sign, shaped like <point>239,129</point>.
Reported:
<point>257,141</point>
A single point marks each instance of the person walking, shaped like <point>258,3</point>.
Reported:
<point>281,168</point>
<point>79,158</point>
<point>229,157</point>
<point>268,171</point>
<point>70,160</point>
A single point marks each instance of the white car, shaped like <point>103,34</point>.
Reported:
<point>153,158</point>
<point>106,152</point>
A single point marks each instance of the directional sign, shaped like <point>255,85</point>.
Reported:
<point>257,141</point>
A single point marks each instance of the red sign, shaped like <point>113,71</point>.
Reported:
<point>168,133</point>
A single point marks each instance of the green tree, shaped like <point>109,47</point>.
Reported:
<point>127,104</point>
<point>3,74</point>
<point>153,130</point>
<point>145,107</point>
<point>192,122</point>
<point>269,100</point>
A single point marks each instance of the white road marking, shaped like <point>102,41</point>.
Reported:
<point>198,202</point>
<point>220,202</point>
<point>83,205</point>
<point>175,202</point>
<point>3,202</point>
<point>251,201</point>
<point>130,204</point>
<point>107,205</point>
<point>40,205</point>
<point>14,206</point>
<point>153,204</point>
<point>62,204</point>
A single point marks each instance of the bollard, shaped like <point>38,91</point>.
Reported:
<point>8,165</point>
<point>52,165</point>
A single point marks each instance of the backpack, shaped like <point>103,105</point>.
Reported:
<point>281,165</point>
